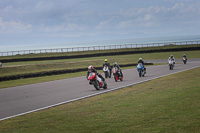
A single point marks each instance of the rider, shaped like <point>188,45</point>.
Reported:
<point>92,69</point>
<point>184,56</point>
<point>116,65</point>
<point>108,64</point>
<point>172,58</point>
<point>141,61</point>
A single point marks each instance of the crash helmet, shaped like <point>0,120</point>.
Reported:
<point>115,64</point>
<point>106,60</point>
<point>90,68</point>
<point>140,58</point>
<point>171,56</point>
<point>184,55</point>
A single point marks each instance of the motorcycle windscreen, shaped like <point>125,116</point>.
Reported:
<point>139,65</point>
<point>115,70</point>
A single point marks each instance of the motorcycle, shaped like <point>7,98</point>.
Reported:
<point>171,64</point>
<point>93,81</point>
<point>184,59</point>
<point>106,71</point>
<point>141,70</point>
<point>117,75</point>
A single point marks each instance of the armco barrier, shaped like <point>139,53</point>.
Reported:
<point>55,72</point>
<point>100,54</point>
<point>105,47</point>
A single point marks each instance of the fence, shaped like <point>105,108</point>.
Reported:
<point>105,47</point>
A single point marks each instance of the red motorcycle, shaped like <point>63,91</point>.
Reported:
<point>93,81</point>
<point>117,75</point>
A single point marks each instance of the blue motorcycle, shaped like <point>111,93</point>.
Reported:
<point>141,70</point>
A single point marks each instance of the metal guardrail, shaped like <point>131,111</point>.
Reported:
<point>105,47</point>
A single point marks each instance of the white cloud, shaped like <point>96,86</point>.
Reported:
<point>102,25</point>
<point>148,17</point>
<point>44,5</point>
<point>62,28</point>
<point>178,6</point>
<point>125,24</point>
<point>13,26</point>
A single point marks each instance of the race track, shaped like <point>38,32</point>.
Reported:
<point>20,100</point>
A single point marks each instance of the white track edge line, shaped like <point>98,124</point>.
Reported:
<point>95,94</point>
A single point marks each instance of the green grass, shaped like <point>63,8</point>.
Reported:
<point>169,105</point>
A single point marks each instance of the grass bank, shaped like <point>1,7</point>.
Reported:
<point>169,104</point>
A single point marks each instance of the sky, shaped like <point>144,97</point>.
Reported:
<point>36,22</point>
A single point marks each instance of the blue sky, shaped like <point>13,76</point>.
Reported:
<point>34,22</point>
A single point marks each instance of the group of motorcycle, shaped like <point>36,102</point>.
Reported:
<point>116,73</point>
<point>98,82</point>
<point>171,61</point>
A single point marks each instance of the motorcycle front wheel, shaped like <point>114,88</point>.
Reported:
<point>121,78</point>
<point>105,85</point>
<point>116,78</point>
<point>106,74</point>
<point>96,85</point>
<point>170,67</point>
<point>140,73</point>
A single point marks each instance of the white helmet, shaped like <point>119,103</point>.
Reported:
<point>115,63</point>
<point>90,68</point>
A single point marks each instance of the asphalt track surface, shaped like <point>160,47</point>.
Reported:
<point>25,99</point>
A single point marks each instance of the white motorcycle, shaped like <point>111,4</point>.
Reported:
<point>106,71</point>
<point>171,64</point>
<point>184,59</point>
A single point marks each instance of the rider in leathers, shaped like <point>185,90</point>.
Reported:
<point>92,69</point>
<point>141,61</point>
<point>172,58</point>
<point>184,56</point>
<point>120,70</point>
<point>108,64</point>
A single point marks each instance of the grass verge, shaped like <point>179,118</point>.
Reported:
<point>169,104</point>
